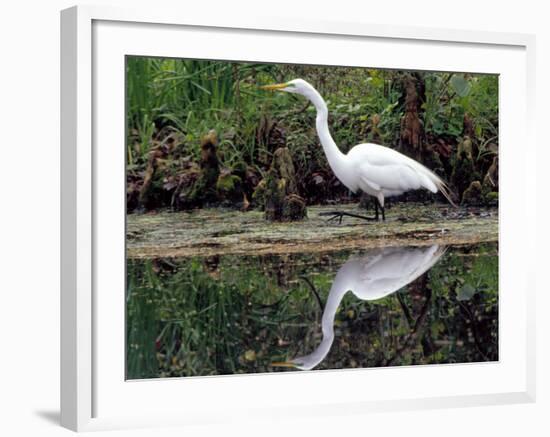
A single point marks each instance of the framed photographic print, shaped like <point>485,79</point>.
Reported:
<point>259,214</point>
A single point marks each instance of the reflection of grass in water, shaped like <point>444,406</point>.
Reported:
<point>142,325</point>
<point>466,287</point>
<point>237,314</point>
<point>210,315</point>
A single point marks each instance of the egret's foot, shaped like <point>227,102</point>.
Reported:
<point>339,215</point>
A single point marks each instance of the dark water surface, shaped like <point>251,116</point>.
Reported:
<point>382,307</point>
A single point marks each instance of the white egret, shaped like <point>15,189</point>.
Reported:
<point>371,168</point>
<point>373,276</point>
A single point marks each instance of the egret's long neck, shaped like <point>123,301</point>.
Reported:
<point>335,296</point>
<point>331,308</point>
<point>336,159</point>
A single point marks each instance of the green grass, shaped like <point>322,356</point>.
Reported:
<point>191,96</point>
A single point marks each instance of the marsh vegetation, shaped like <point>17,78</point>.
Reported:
<point>202,133</point>
<point>229,260</point>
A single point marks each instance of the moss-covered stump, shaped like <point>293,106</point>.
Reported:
<point>284,167</point>
<point>168,172</point>
<point>183,185</point>
<point>489,187</point>
<point>258,196</point>
<point>249,177</point>
<point>205,190</point>
<point>149,193</point>
<point>473,194</point>
<point>491,198</point>
<point>230,190</point>
<point>464,172</point>
<point>491,177</point>
<point>273,196</point>
<point>278,192</point>
<point>147,180</point>
<point>215,231</point>
<point>294,208</point>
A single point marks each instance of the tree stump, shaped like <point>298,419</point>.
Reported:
<point>412,132</point>
<point>147,194</point>
<point>230,190</point>
<point>489,186</point>
<point>279,192</point>
<point>464,171</point>
<point>205,187</point>
<point>473,195</point>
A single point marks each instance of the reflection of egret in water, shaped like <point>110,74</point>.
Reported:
<point>376,275</point>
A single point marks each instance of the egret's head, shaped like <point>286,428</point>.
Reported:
<point>296,86</point>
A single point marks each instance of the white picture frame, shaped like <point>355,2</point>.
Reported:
<point>93,396</point>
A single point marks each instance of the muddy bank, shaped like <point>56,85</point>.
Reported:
<point>209,232</point>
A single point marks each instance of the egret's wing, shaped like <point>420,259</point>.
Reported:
<point>394,268</point>
<point>391,170</point>
<point>391,177</point>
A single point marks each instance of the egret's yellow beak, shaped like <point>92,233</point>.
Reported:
<point>274,87</point>
<point>283,364</point>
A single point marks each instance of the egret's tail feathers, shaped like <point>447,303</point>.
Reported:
<point>446,191</point>
<point>436,253</point>
<point>434,183</point>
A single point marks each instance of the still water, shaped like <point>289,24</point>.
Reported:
<point>387,306</point>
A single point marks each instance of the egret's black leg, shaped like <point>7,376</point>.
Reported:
<point>382,209</point>
<point>314,290</point>
<point>339,215</point>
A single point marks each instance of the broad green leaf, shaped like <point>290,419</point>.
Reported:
<point>466,292</point>
<point>460,85</point>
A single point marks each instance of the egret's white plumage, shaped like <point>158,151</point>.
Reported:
<point>374,169</point>
<point>374,276</point>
